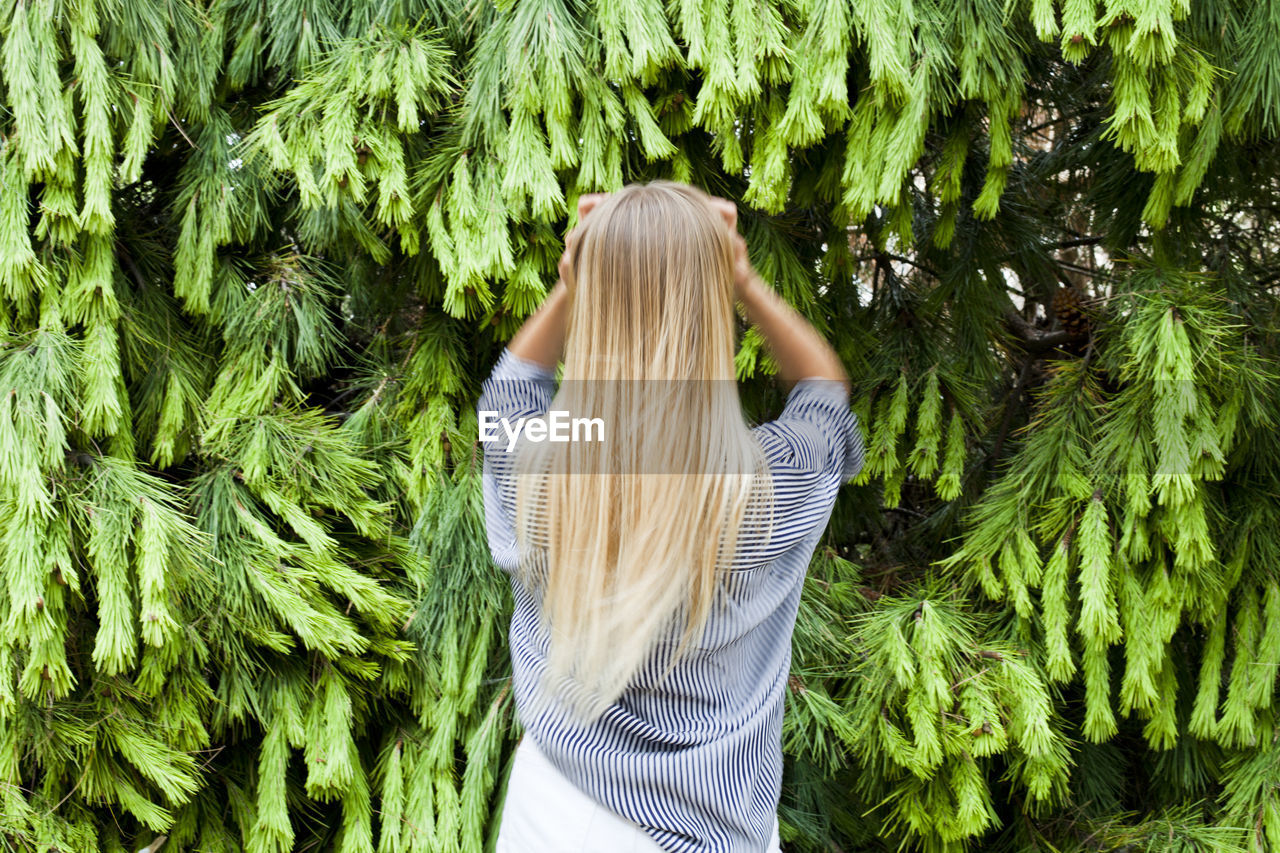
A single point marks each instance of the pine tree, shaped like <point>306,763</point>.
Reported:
<point>256,258</point>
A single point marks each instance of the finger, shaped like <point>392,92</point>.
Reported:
<point>565,269</point>
<point>587,202</point>
<point>570,245</point>
<point>741,258</point>
<point>728,211</point>
<point>571,239</point>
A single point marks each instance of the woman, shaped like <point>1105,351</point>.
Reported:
<point>657,571</point>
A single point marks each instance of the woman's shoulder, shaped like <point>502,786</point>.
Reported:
<point>817,433</point>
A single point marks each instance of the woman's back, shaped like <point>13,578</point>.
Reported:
<point>692,755</point>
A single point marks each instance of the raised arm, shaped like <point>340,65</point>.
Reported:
<point>541,338</point>
<point>800,351</point>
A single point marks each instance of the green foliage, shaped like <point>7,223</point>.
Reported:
<point>255,259</point>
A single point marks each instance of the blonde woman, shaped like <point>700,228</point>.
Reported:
<point>656,564</point>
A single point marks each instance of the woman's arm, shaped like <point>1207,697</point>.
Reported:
<point>800,351</point>
<point>541,338</point>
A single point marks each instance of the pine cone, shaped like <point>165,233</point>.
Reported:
<point>1068,306</point>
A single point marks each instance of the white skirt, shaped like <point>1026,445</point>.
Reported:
<point>546,813</point>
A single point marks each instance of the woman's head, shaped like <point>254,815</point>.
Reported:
<point>651,278</point>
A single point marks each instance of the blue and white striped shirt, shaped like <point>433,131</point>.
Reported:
<point>697,759</point>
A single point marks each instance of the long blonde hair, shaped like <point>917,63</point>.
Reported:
<point>627,540</point>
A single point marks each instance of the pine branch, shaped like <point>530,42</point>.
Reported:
<point>1031,339</point>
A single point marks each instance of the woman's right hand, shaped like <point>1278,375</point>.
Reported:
<point>586,203</point>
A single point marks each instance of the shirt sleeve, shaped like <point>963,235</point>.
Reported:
<point>516,389</point>
<point>811,448</point>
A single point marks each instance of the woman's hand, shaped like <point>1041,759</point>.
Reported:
<point>800,351</point>
<point>744,275</point>
<point>586,203</point>
<point>541,338</point>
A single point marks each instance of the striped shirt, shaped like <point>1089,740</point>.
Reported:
<point>697,759</point>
